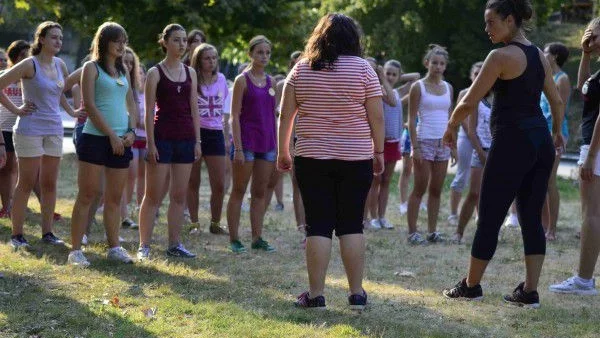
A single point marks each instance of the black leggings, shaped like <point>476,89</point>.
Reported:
<point>519,164</point>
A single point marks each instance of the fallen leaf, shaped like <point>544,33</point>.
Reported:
<point>150,312</point>
<point>405,273</point>
<point>115,301</point>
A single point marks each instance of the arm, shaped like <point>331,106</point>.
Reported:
<point>374,107</point>
<point>2,151</point>
<point>564,90</point>
<point>583,72</point>
<point>132,113</point>
<point>239,87</point>
<point>556,103</point>
<point>150,99</point>
<point>63,100</point>
<point>472,133</point>
<point>195,114</point>
<point>73,79</point>
<point>23,69</point>
<point>410,77</point>
<point>413,106</point>
<point>289,109</point>
<point>389,96</point>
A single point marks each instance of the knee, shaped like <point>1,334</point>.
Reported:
<point>435,192</point>
<point>177,197</point>
<point>473,196</point>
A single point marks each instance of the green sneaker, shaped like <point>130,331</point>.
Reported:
<point>261,244</point>
<point>237,246</point>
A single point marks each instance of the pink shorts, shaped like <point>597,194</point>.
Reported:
<point>434,150</point>
<point>391,152</point>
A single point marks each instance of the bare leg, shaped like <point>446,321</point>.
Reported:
<point>48,180</point>
<point>590,230</point>
<point>352,248</point>
<point>180,178</point>
<point>241,174</point>
<point>216,176</point>
<point>156,174</point>
<point>116,180</point>
<point>193,191</point>
<point>318,253</point>
<point>422,172</point>
<point>88,182</point>
<point>384,188</point>
<point>262,171</point>
<point>407,164</point>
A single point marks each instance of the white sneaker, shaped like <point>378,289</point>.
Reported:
<point>100,210</point>
<point>186,215</point>
<point>385,223</point>
<point>77,258</point>
<point>84,240</point>
<point>416,239</point>
<point>245,206</point>
<point>143,253</point>
<point>403,208</point>
<point>423,206</point>
<point>512,221</point>
<point>453,220</point>
<point>374,224</point>
<point>456,239</point>
<point>119,254</point>
<point>574,286</point>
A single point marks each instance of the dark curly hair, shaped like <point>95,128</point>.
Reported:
<point>335,34</point>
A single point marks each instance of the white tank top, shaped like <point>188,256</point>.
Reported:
<point>484,134</point>
<point>433,113</point>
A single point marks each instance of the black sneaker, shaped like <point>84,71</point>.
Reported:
<point>304,301</point>
<point>358,302</point>
<point>49,238</point>
<point>519,297</point>
<point>180,251</point>
<point>462,291</point>
<point>18,241</point>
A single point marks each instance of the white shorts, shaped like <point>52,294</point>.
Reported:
<point>583,152</point>
<point>36,146</point>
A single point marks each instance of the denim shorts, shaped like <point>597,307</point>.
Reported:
<point>405,141</point>
<point>249,155</point>
<point>181,151</point>
<point>97,150</point>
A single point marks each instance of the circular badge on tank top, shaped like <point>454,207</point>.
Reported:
<point>59,83</point>
<point>271,91</point>
<point>120,82</point>
<point>219,94</point>
<point>584,89</point>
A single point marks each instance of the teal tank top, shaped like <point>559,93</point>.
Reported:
<point>110,96</point>
<point>545,105</point>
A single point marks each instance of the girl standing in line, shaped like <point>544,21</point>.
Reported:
<point>173,140</point>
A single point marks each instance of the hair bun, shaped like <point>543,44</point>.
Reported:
<point>523,8</point>
<point>434,46</point>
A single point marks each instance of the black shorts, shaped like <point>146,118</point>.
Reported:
<point>9,145</point>
<point>97,150</point>
<point>334,193</point>
<point>213,142</point>
<point>181,151</point>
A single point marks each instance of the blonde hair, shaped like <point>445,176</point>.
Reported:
<point>40,32</point>
<point>196,61</point>
<point>257,40</point>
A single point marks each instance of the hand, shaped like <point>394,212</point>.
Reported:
<point>482,157</point>
<point>238,156</point>
<point>416,155</point>
<point>197,152</point>
<point>152,153</point>
<point>284,162</point>
<point>559,143</point>
<point>2,156</point>
<point>379,71</point>
<point>453,157</point>
<point>26,109</point>
<point>450,136</point>
<point>128,139</point>
<point>586,171</point>
<point>80,113</point>
<point>585,41</point>
<point>378,164</point>
<point>116,143</point>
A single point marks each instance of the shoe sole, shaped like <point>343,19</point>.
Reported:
<point>357,307</point>
<point>576,292</point>
<point>474,299</point>
<point>533,306</point>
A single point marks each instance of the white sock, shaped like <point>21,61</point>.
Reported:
<point>583,281</point>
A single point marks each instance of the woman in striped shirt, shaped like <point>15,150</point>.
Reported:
<point>337,135</point>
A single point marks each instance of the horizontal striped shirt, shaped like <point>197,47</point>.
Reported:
<point>332,118</point>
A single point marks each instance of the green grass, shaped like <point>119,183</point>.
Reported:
<point>224,295</point>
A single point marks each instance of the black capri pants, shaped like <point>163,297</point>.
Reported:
<point>518,165</point>
<point>334,193</point>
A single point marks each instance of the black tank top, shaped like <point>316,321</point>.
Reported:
<point>517,101</point>
<point>591,100</point>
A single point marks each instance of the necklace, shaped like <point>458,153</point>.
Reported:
<point>259,83</point>
<point>178,76</point>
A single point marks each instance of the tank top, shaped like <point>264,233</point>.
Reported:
<point>545,105</point>
<point>433,113</point>
<point>483,132</point>
<point>110,96</point>
<point>517,101</point>
<point>590,92</point>
<point>173,117</point>
<point>14,94</point>
<point>45,93</point>
<point>257,118</point>
<point>393,120</point>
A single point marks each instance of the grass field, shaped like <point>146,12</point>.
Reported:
<point>220,294</point>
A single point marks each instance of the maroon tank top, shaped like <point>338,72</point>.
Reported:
<point>173,117</point>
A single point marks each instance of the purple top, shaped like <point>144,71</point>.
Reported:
<point>173,118</point>
<point>257,118</point>
<point>45,93</point>
<point>211,100</point>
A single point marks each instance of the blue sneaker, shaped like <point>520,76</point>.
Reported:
<point>180,251</point>
<point>358,302</point>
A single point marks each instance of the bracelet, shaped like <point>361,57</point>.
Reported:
<point>378,152</point>
<point>198,142</point>
<point>2,144</point>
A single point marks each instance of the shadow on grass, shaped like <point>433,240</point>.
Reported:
<point>31,308</point>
